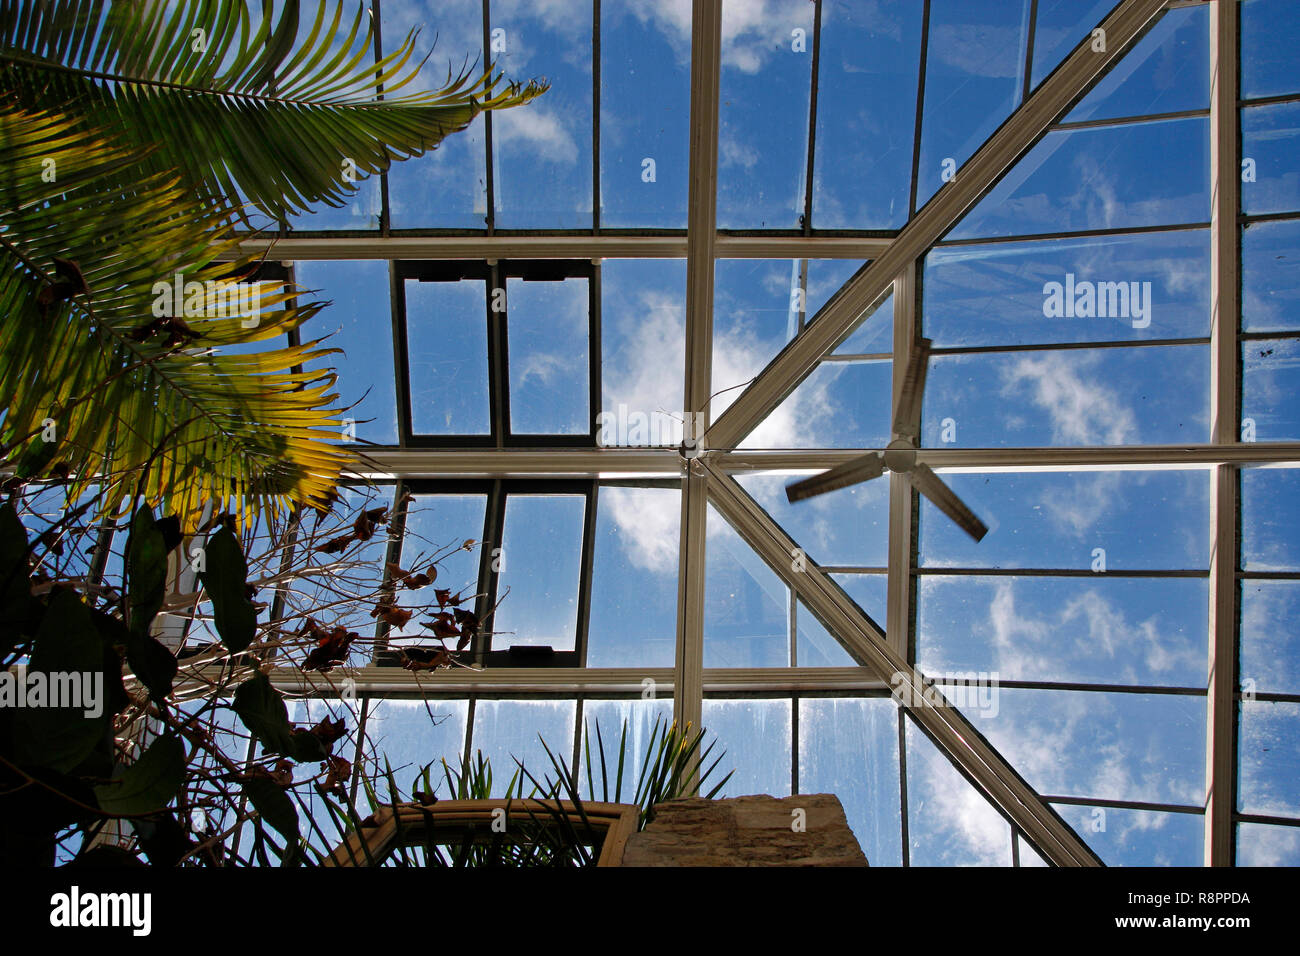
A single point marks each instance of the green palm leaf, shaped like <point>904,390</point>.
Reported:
<point>235,102</point>
<point>91,361</point>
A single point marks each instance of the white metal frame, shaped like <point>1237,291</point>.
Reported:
<point>708,478</point>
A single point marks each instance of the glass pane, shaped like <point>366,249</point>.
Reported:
<point>643,344</point>
<point>608,717</point>
<point>542,152</point>
<point>756,311</point>
<point>1108,630</point>
<point>446,188</point>
<point>645,81</point>
<point>1108,288</point>
<point>1270,137</point>
<point>1268,758</point>
<point>1109,746</point>
<point>1270,276</point>
<point>849,747</point>
<point>845,527</point>
<point>634,578</point>
<point>840,405</point>
<point>1270,33</point>
<point>1260,844</point>
<point>746,607</point>
<point>1059,26</point>
<point>1270,380</point>
<point>869,63</point>
<point>362,327</point>
<point>506,731</point>
<point>412,734</point>
<point>1137,175</point>
<point>973,79</point>
<point>1071,397</point>
<point>1270,636</point>
<point>446,334</point>
<point>756,737</point>
<point>537,591</point>
<point>949,822</point>
<point>1028,855</point>
<point>869,592</point>
<point>875,332</point>
<point>437,527</point>
<point>1138,837</point>
<point>1269,514</point>
<point>1142,520</point>
<point>815,646</point>
<point>549,326</point>
<point>1167,71</point>
<point>766,78</point>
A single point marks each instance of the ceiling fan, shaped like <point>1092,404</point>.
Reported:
<point>899,457</point>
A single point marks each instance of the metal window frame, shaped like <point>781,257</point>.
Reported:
<point>894,256</point>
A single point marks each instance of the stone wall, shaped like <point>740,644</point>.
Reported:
<point>805,830</point>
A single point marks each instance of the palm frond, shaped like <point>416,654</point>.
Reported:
<point>234,100</point>
<point>138,390</point>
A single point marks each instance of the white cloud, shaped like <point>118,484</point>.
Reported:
<point>1082,411</point>
<point>649,525</point>
<point>538,130</point>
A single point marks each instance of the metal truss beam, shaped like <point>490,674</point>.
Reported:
<point>1054,96</point>
<point>602,246</point>
<point>1225,252</point>
<point>394,682</point>
<point>1111,458</point>
<point>953,733</point>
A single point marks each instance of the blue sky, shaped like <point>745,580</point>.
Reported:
<point>992,383</point>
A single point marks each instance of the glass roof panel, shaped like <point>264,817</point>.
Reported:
<point>1123,837</point>
<point>849,747</point>
<point>1135,175</point>
<point>643,346</point>
<point>756,736</point>
<point>506,731</point>
<point>1106,746</point>
<point>1270,389</point>
<point>746,606</point>
<point>542,153</point>
<point>1166,71</point>
<point>413,734</point>
<point>766,79</point>
<point>359,322</point>
<point>541,552</point>
<point>868,70</point>
<point>1270,512</point>
<point>549,352</point>
<point>1270,139</point>
<point>1270,276</point>
<point>446,188</point>
<point>974,77</point>
<point>1270,636</point>
<point>1103,630</point>
<point>645,97</point>
<point>949,822</point>
<point>446,334</point>
<point>845,527</point>
<point>1262,844</point>
<point>634,577</point>
<point>1145,286</point>
<point>1141,520</point>
<point>1270,34</point>
<point>1111,396</point>
<point>1268,757</point>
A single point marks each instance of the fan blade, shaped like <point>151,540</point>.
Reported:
<point>841,476</point>
<point>931,485</point>
<point>912,391</point>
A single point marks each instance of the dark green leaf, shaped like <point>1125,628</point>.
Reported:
<point>146,571</point>
<point>224,577</point>
<point>149,783</point>
<point>66,645</point>
<point>270,800</point>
